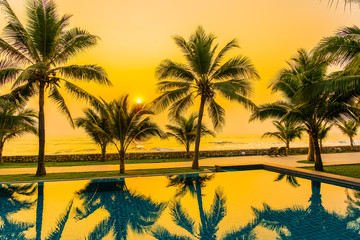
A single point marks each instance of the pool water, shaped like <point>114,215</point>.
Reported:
<point>254,204</point>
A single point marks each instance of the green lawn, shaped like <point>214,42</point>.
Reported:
<point>350,170</point>
<point>305,161</point>
<point>61,176</point>
<point>83,163</point>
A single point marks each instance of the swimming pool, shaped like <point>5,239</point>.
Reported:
<point>229,205</point>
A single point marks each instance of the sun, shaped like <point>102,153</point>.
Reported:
<point>139,100</point>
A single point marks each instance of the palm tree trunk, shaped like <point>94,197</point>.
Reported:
<point>311,155</point>
<point>321,145</point>
<point>41,158</point>
<point>200,203</point>
<point>287,147</point>
<point>195,164</point>
<point>187,150</point>
<point>39,210</point>
<point>351,143</point>
<point>318,161</point>
<point>122,161</point>
<point>1,152</point>
<point>315,199</point>
<point>103,153</point>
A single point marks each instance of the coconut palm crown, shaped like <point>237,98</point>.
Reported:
<point>34,56</point>
<point>185,131</point>
<point>128,125</point>
<point>15,121</point>
<point>349,128</point>
<point>204,76</point>
<point>96,118</point>
<point>287,132</point>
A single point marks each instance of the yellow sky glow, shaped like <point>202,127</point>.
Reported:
<point>136,36</point>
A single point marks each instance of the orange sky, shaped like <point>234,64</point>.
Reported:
<point>136,36</point>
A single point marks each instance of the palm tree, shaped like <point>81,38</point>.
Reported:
<point>128,125</point>
<point>304,71</point>
<point>185,131</point>
<point>96,118</point>
<point>323,133</point>
<point>132,210</point>
<point>349,128</point>
<point>15,121</point>
<point>33,59</point>
<point>287,132</point>
<point>203,76</point>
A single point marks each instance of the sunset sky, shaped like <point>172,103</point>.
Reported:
<point>136,36</point>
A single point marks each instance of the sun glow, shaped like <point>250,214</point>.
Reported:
<point>139,100</point>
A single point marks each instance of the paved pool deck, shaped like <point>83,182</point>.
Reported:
<point>290,161</point>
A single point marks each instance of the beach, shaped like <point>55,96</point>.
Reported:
<point>28,145</point>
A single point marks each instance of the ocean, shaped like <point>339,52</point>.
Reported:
<point>28,145</point>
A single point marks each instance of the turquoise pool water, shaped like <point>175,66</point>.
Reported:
<point>254,204</point>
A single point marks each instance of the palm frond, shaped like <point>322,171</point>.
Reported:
<point>216,114</point>
<point>218,209</point>
<point>237,67</point>
<point>21,94</point>
<point>43,26</point>
<point>57,232</point>
<point>168,97</point>
<point>161,233</point>
<point>13,54</point>
<point>246,232</point>
<point>78,92</point>
<point>30,74</point>
<point>181,218</point>
<point>56,96</point>
<point>233,93</point>
<point>85,72</point>
<point>229,46</point>
<point>170,69</point>
<point>8,71</point>
<point>15,32</point>
<point>101,230</point>
<point>271,110</point>
<point>71,43</point>
<point>178,108</point>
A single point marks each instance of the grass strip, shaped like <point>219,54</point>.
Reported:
<point>86,163</point>
<point>68,176</point>
<point>349,170</point>
<point>305,161</point>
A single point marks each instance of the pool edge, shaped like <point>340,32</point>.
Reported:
<point>328,177</point>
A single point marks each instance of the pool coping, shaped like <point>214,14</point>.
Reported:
<point>207,170</point>
<point>326,177</point>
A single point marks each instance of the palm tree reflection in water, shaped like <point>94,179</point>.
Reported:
<point>14,198</point>
<point>126,208</point>
<point>289,179</point>
<point>209,220</point>
<point>57,231</point>
<point>314,222</point>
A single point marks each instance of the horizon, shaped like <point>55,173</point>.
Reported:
<point>136,37</point>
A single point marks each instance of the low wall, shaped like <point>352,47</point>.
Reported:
<point>169,154</point>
